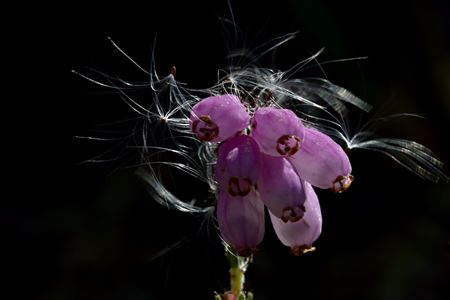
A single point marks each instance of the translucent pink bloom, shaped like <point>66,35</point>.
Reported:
<point>281,189</point>
<point>322,162</point>
<point>279,132</point>
<point>240,212</point>
<point>219,117</point>
<point>238,156</point>
<point>241,221</point>
<point>301,235</point>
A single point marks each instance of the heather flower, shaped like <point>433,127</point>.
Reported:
<point>279,132</point>
<point>238,156</point>
<point>217,118</point>
<point>281,189</point>
<point>240,213</point>
<point>241,221</point>
<point>322,162</point>
<point>299,236</point>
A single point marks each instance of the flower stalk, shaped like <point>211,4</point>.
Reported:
<point>238,267</point>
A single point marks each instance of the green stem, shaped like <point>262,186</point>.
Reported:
<point>237,279</point>
<point>238,266</point>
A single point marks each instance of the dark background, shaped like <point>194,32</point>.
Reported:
<point>90,231</point>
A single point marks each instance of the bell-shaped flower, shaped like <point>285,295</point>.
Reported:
<point>279,132</point>
<point>322,162</point>
<point>299,236</point>
<point>238,156</point>
<point>218,118</point>
<point>240,212</point>
<point>281,189</point>
<point>241,221</point>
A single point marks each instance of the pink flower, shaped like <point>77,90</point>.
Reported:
<point>279,132</point>
<point>240,212</point>
<point>322,162</point>
<point>218,118</point>
<point>281,189</point>
<point>274,166</point>
<point>301,235</point>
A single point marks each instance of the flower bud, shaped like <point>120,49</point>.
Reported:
<point>281,189</point>
<point>279,132</point>
<point>301,235</point>
<point>322,162</point>
<point>218,118</point>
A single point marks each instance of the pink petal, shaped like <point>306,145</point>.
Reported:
<point>301,235</point>
<point>279,132</point>
<point>241,221</point>
<point>281,189</point>
<point>322,162</point>
<point>219,117</point>
<point>240,212</point>
<point>239,157</point>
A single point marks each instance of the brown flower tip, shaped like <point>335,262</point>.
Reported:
<point>300,250</point>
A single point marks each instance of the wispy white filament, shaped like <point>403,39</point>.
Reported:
<point>162,131</point>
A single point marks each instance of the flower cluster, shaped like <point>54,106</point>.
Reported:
<point>264,138</point>
<point>268,159</point>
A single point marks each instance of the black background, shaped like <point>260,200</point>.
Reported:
<point>90,231</point>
